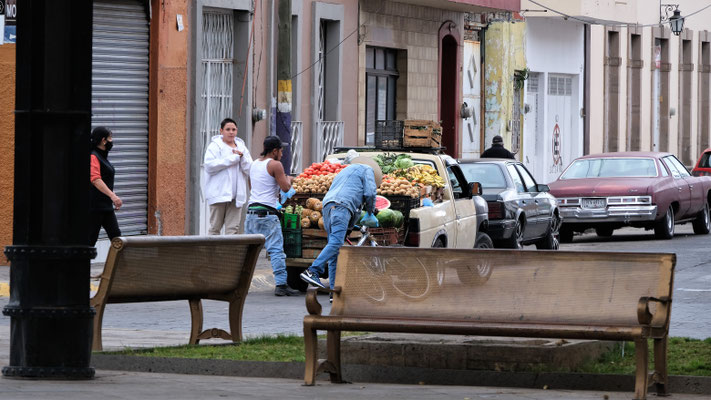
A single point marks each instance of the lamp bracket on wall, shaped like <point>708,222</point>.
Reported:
<point>666,11</point>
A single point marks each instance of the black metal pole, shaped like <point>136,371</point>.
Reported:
<point>51,320</point>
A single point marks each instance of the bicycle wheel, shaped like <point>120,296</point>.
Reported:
<point>371,274</point>
<point>412,282</point>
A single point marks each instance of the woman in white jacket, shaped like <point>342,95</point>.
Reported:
<point>227,162</point>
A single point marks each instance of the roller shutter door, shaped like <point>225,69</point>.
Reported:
<point>120,102</point>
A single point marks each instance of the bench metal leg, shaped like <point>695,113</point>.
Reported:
<point>641,350</point>
<point>236,320</point>
<point>660,366</point>
<point>311,351</point>
<point>196,320</point>
<point>333,346</point>
<point>96,344</point>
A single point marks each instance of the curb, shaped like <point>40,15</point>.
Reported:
<point>397,375</point>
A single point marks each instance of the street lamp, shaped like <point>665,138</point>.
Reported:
<point>676,21</point>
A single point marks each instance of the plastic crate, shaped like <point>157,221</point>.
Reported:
<point>403,204</point>
<point>292,242</point>
<point>292,221</point>
<point>387,236</point>
<point>388,134</point>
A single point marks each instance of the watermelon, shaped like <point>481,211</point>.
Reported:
<point>381,203</point>
<point>386,218</point>
<point>399,219</point>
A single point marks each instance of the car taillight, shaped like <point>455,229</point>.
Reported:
<point>413,233</point>
<point>496,210</point>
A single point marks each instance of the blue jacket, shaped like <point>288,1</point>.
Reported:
<point>352,187</point>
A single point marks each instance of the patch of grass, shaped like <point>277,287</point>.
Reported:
<point>684,356</point>
<point>266,348</point>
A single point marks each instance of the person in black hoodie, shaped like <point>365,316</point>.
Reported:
<point>102,198</point>
<point>497,149</point>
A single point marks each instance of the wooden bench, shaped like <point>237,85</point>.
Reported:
<point>542,294</point>
<point>164,268</point>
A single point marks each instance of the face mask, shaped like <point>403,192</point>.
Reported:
<point>109,145</point>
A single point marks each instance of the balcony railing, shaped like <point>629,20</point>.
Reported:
<point>329,135</point>
<point>297,151</point>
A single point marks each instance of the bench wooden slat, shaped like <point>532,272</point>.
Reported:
<point>551,294</point>
<point>164,268</point>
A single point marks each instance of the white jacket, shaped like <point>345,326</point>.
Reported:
<point>221,168</point>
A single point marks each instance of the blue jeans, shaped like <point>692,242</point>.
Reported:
<point>270,227</point>
<point>335,220</point>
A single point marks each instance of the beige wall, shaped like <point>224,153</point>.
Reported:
<point>415,30</point>
<point>647,15</point>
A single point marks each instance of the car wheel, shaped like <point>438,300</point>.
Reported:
<point>551,241</point>
<point>566,235</point>
<point>664,228</point>
<point>702,223</point>
<point>480,269</point>
<point>604,231</point>
<point>516,239</point>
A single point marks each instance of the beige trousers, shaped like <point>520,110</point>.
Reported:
<point>224,214</point>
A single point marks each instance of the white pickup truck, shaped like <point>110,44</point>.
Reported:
<point>458,220</point>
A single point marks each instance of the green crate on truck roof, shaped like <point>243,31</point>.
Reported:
<point>292,242</point>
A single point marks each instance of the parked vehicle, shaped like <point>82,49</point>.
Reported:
<point>647,190</point>
<point>521,211</point>
<point>703,166</point>
<point>457,217</point>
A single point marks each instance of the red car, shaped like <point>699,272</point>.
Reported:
<point>641,189</point>
<point>703,166</point>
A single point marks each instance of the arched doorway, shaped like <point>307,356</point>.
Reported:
<point>449,67</point>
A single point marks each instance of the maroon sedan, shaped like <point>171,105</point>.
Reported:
<point>640,189</point>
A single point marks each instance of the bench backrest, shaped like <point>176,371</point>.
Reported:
<point>551,287</point>
<point>152,268</point>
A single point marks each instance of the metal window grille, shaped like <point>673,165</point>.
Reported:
<point>297,134</point>
<point>331,135</point>
<point>217,72</point>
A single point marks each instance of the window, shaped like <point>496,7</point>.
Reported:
<point>527,178</point>
<point>518,183</point>
<point>611,168</point>
<point>679,166</point>
<point>674,171</point>
<point>488,175</point>
<point>456,187</point>
<point>381,81</point>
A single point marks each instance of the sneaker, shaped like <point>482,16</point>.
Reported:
<point>285,290</point>
<point>330,298</point>
<point>312,279</point>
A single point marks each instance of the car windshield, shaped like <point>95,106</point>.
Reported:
<point>488,175</point>
<point>611,168</point>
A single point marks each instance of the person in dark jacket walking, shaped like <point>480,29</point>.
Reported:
<point>102,198</point>
<point>497,149</point>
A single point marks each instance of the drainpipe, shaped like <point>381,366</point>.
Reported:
<point>482,95</point>
<point>586,91</point>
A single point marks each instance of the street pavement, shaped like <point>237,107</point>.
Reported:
<point>167,323</point>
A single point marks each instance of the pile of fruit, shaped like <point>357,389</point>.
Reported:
<point>398,187</point>
<point>311,214</point>
<point>386,219</point>
<point>422,174</point>
<point>317,178</point>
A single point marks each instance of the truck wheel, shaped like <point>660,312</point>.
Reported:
<point>664,228</point>
<point>293,279</point>
<point>702,223</point>
<point>480,269</point>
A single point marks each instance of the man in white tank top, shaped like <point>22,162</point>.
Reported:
<point>267,178</point>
